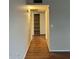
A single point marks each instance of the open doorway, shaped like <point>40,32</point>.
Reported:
<point>41,12</point>
<point>37,24</point>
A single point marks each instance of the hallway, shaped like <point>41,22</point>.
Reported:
<point>38,48</point>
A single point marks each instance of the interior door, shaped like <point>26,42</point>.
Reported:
<point>36,24</point>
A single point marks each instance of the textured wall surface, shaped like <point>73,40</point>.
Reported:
<point>60,33</point>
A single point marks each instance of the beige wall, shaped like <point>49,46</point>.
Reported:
<point>42,23</point>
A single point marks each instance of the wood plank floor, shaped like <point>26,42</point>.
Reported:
<point>60,55</point>
<point>39,50</point>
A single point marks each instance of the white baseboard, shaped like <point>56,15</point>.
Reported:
<point>59,50</point>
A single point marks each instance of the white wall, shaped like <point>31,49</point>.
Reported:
<point>18,30</point>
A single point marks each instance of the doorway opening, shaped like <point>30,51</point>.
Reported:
<point>40,27</point>
<point>36,24</point>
